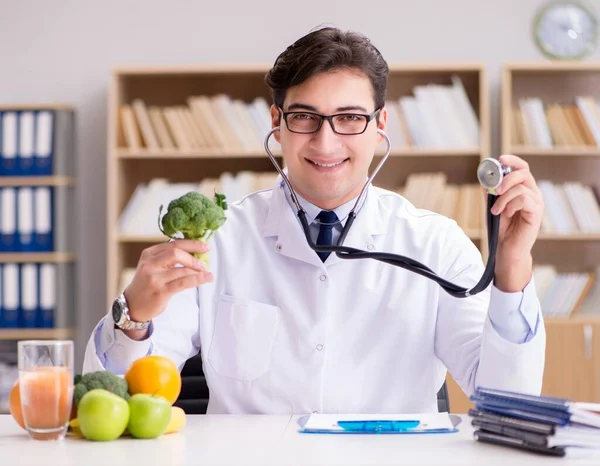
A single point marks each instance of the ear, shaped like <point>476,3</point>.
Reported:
<point>382,125</point>
<point>276,120</point>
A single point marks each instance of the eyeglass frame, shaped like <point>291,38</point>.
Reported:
<point>329,118</point>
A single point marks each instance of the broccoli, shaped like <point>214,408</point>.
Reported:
<point>195,216</point>
<point>100,379</point>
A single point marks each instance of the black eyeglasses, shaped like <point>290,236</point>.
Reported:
<point>341,123</point>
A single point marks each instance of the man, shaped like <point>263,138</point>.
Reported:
<point>282,329</point>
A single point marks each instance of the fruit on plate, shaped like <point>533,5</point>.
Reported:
<point>14,403</point>
<point>154,375</point>
<point>149,415</point>
<point>177,421</point>
<point>102,415</point>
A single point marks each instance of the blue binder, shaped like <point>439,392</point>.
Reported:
<point>552,410</point>
<point>44,143</point>
<point>10,143</point>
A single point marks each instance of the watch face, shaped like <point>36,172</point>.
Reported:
<point>117,310</point>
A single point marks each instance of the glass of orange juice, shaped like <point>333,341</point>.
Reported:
<point>46,387</point>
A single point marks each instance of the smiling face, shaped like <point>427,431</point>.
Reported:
<point>325,168</point>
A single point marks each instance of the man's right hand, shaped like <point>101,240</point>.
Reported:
<point>162,271</point>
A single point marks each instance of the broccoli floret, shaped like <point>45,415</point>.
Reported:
<point>195,216</point>
<point>101,379</point>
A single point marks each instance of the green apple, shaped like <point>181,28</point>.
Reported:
<point>149,415</point>
<point>102,415</point>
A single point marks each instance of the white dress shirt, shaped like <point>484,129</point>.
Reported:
<point>280,331</point>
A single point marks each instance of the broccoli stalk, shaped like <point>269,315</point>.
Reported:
<point>195,216</point>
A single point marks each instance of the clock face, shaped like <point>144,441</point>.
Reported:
<point>565,30</point>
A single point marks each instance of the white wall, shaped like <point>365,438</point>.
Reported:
<point>62,50</point>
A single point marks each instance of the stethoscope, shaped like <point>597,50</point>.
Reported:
<point>489,173</point>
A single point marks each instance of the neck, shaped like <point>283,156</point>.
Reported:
<point>329,204</point>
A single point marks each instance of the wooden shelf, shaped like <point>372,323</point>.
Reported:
<point>141,239</point>
<point>37,106</point>
<point>36,333</point>
<point>215,153</point>
<point>36,257</point>
<point>555,151</point>
<point>37,181</point>
<point>569,237</point>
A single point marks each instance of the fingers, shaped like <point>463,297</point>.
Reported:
<point>524,203</point>
<point>526,199</point>
<point>173,256</point>
<point>522,176</point>
<point>516,163</point>
<point>185,281</point>
<point>188,245</point>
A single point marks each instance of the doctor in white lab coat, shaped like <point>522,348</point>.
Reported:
<point>281,329</point>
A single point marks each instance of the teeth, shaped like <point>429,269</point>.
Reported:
<point>327,165</point>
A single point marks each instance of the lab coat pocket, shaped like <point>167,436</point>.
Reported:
<point>243,338</point>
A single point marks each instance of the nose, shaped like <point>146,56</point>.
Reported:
<point>325,140</point>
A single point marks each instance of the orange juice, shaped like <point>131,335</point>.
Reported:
<point>46,397</point>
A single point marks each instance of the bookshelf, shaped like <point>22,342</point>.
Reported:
<point>38,259</point>
<point>134,160</point>
<point>550,116</point>
<point>563,146</point>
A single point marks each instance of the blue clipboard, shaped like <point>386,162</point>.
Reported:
<point>380,425</point>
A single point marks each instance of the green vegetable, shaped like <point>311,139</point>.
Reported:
<point>195,216</point>
<point>100,379</point>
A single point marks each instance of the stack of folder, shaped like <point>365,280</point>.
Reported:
<point>546,425</point>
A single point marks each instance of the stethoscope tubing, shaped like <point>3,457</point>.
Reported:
<point>346,252</point>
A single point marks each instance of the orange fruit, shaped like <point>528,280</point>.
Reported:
<point>14,403</point>
<point>154,375</point>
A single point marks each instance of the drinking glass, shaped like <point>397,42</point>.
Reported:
<point>46,387</point>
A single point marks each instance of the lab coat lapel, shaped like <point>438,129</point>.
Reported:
<point>369,223</point>
<point>282,221</point>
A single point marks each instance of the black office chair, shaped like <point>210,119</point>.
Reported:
<point>193,398</point>
<point>443,399</point>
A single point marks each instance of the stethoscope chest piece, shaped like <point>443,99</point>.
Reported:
<point>490,174</point>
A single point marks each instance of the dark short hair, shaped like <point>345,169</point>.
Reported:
<point>323,50</point>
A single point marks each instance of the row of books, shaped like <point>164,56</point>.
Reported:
<point>36,142</point>
<point>435,116</point>
<point>567,293</point>
<point>546,125</point>
<point>30,216</point>
<point>29,294</point>
<point>139,217</point>
<point>218,122</point>
<point>570,207</point>
<point>430,191</point>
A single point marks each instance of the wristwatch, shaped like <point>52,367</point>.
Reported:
<point>120,313</point>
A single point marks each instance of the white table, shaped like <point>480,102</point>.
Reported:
<point>264,440</point>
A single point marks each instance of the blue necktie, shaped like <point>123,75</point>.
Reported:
<point>327,219</point>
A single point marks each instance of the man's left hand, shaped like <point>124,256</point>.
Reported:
<point>521,207</point>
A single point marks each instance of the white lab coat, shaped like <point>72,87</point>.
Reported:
<point>281,332</point>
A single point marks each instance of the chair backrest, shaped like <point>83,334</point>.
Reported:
<point>193,398</point>
<point>443,399</point>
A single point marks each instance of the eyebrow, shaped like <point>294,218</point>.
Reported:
<point>298,106</point>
